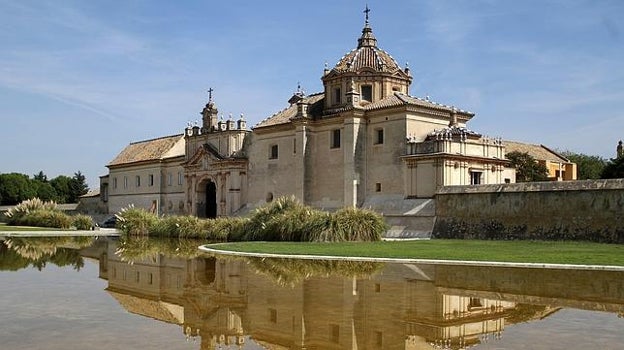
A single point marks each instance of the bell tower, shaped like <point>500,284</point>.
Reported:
<point>209,115</point>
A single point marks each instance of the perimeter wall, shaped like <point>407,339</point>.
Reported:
<point>588,210</point>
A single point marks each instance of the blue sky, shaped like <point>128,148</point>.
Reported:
<point>79,80</point>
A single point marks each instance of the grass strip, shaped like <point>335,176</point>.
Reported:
<point>6,228</point>
<point>547,252</point>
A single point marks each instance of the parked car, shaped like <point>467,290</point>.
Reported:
<point>111,222</point>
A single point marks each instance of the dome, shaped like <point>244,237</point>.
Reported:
<point>367,55</point>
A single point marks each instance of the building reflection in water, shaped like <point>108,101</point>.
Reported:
<point>226,303</point>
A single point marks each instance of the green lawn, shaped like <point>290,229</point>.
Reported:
<point>5,228</point>
<point>582,253</point>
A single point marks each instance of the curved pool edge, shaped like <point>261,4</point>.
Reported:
<point>209,248</point>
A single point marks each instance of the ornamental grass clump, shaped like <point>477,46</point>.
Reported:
<point>135,221</point>
<point>82,222</point>
<point>38,213</point>
<point>224,229</point>
<point>177,226</point>
<point>260,227</point>
<point>352,224</point>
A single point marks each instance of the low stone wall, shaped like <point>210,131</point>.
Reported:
<point>590,210</point>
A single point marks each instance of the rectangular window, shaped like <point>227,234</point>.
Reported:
<point>273,315</point>
<point>115,182</point>
<point>379,136</point>
<point>138,181</point>
<point>125,182</point>
<point>379,339</point>
<point>367,92</point>
<point>137,277</point>
<point>273,152</point>
<point>180,178</point>
<point>294,146</point>
<point>377,288</point>
<point>337,96</point>
<point>150,179</point>
<point>335,138</point>
<point>475,177</point>
<point>378,187</point>
<point>169,179</point>
<point>150,278</point>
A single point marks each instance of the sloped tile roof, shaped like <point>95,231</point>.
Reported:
<point>154,149</point>
<point>539,152</point>
<point>398,99</point>
<point>284,116</point>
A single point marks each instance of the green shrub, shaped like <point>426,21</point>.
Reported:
<point>82,222</point>
<point>45,218</point>
<point>352,224</point>
<point>136,222</point>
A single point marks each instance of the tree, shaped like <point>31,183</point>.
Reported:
<point>527,167</point>
<point>15,187</point>
<point>614,169</point>
<point>77,187</point>
<point>41,177</point>
<point>62,187</point>
<point>587,167</point>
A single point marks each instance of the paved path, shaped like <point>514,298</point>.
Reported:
<point>213,248</point>
<point>111,232</point>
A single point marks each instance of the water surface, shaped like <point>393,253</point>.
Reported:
<point>110,294</point>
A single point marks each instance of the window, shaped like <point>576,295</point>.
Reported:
<point>150,180</point>
<point>474,302</point>
<point>273,315</point>
<point>137,277</point>
<point>507,180</point>
<point>273,152</point>
<point>337,96</point>
<point>367,92</point>
<point>150,278</point>
<point>114,182</point>
<point>379,339</point>
<point>377,288</point>
<point>169,179</point>
<point>138,181</point>
<point>335,138</point>
<point>475,177</point>
<point>125,182</point>
<point>396,88</point>
<point>294,146</point>
<point>378,187</point>
<point>379,136</point>
<point>180,178</point>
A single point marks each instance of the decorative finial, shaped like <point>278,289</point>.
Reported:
<point>210,95</point>
<point>230,116</point>
<point>242,117</point>
<point>366,12</point>
<point>298,87</point>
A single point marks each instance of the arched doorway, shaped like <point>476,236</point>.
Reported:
<point>211,200</point>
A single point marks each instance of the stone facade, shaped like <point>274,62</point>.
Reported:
<point>363,141</point>
<point>147,174</point>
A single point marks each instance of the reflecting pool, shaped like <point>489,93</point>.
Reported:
<point>105,293</point>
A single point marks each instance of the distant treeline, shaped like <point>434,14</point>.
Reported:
<point>15,188</point>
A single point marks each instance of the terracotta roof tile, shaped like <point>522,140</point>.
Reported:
<point>155,149</point>
<point>284,116</point>
<point>398,99</point>
<point>539,152</point>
